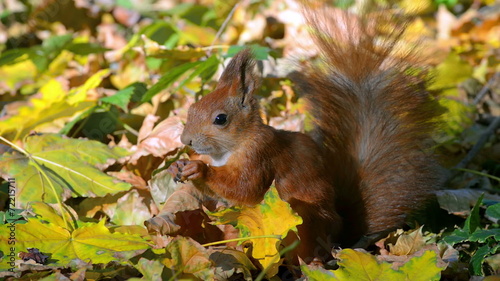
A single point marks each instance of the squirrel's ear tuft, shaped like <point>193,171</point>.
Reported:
<point>240,76</point>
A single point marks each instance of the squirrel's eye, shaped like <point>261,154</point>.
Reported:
<point>220,119</point>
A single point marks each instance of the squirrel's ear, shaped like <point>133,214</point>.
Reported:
<point>240,77</point>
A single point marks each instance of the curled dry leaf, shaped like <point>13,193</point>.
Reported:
<point>161,140</point>
<point>229,262</point>
<point>404,246</point>
<point>183,214</point>
<point>408,243</point>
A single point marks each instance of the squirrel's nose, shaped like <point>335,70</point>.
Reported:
<point>186,140</point>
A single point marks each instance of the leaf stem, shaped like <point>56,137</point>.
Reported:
<point>56,195</point>
<point>477,173</point>
<point>16,147</point>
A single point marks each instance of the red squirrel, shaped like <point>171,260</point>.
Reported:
<point>362,170</point>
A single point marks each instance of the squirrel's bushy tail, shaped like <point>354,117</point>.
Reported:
<point>373,115</point>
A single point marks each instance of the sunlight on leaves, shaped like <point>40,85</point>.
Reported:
<point>272,217</point>
<point>91,243</point>
<point>358,265</point>
<point>70,164</point>
<point>52,103</point>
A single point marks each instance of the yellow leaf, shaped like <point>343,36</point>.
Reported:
<point>91,243</point>
<point>14,74</point>
<point>80,94</point>
<point>272,217</point>
<point>53,102</point>
<point>422,268</point>
<point>361,266</point>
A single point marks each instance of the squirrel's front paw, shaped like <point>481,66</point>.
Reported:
<point>194,170</point>
<point>175,170</point>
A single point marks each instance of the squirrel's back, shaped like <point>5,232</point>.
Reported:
<point>373,115</point>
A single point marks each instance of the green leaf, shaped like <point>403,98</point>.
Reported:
<point>260,53</point>
<point>458,236</point>
<point>85,49</point>
<point>481,235</point>
<point>493,212</point>
<point>69,164</point>
<point>133,92</point>
<point>84,114</point>
<point>205,70</point>
<point>159,31</point>
<point>12,215</point>
<point>473,221</point>
<point>93,243</point>
<point>56,43</point>
<point>167,79</point>
<point>14,56</point>
<point>477,260</point>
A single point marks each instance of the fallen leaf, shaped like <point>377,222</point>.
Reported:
<point>408,243</point>
<point>272,217</point>
<point>184,255</point>
<point>59,167</point>
<point>92,242</point>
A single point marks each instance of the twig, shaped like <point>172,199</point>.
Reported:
<point>476,148</point>
<point>484,136</point>
<point>485,89</point>
<point>223,26</point>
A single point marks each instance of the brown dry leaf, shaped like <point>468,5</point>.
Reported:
<point>147,126</point>
<point>229,262</point>
<point>398,261</point>
<point>408,244</point>
<point>186,198</point>
<point>130,177</point>
<point>185,255</point>
<point>161,140</point>
<point>477,25</point>
<point>163,224</point>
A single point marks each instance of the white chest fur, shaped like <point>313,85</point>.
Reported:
<point>221,160</point>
